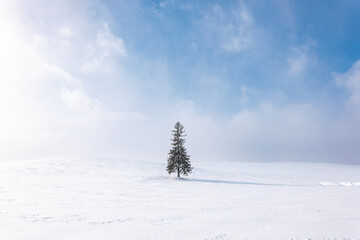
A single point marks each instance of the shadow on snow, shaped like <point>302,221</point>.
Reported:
<point>234,182</point>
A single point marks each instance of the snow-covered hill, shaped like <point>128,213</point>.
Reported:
<point>109,198</point>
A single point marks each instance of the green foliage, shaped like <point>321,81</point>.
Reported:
<point>178,160</point>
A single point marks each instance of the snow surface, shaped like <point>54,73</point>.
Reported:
<point>109,198</point>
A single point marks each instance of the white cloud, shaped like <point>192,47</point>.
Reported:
<point>52,72</point>
<point>39,40</point>
<point>65,32</point>
<point>45,103</point>
<point>300,58</point>
<point>266,133</point>
<point>106,47</point>
<point>246,93</point>
<point>234,29</point>
<point>238,33</point>
<point>351,81</point>
<point>55,108</point>
<point>92,65</point>
<point>78,101</point>
<point>297,62</point>
<point>109,43</point>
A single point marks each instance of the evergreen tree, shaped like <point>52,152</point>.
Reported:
<point>178,160</point>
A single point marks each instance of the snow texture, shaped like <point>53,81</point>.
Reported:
<point>110,198</point>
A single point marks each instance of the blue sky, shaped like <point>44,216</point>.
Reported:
<point>287,48</point>
<point>250,80</point>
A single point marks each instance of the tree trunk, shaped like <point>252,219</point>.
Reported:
<point>178,173</point>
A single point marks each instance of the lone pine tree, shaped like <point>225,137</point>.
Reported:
<point>178,160</point>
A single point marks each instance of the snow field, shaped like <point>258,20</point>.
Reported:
<point>110,198</point>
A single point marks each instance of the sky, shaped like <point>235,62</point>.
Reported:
<point>249,80</point>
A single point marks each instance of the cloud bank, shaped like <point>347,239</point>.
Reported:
<point>78,79</point>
